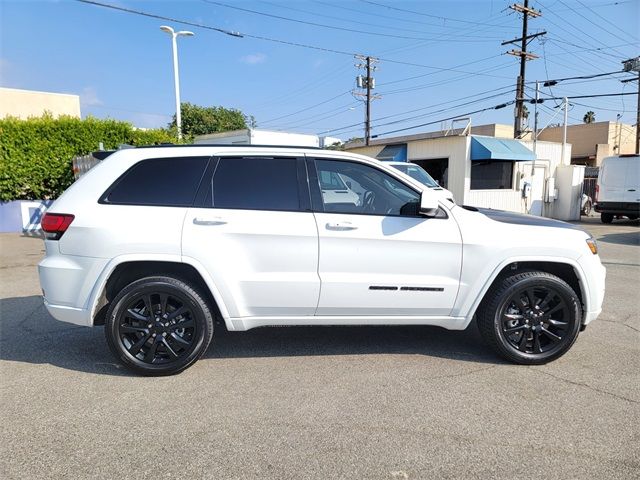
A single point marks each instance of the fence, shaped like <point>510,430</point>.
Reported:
<point>590,180</point>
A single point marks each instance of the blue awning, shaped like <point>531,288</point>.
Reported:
<point>490,148</point>
<point>393,153</point>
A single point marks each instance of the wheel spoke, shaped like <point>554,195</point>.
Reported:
<point>546,300</point>
<point>509,331</point>
<point>555,309</point>
<point>163,303</point>
<point>148,305</point>
<point>136,316</point>
<point>536,342</point>
<point>135,348</point>
<point>186,323</point>
<point>520,303</point>
<point>170,350</point>
<point>124,328</point>
<point>513,316</point>
<point>522,345</point>
<point>557,323</point>
<point>151,353</point>
<point>180,341</point>
<point>551,335</point>
<point>177,313</point>
<point>531,296</point>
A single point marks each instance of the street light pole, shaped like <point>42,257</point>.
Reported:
<point>176,74</point>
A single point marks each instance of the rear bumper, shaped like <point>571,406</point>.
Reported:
<point>77,316</point>
<point>618,208</point>
<point>67,283</point>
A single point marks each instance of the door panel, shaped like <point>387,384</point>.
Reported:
<point>632,183</point>
<point>263,262</point>
<point>377,256</point>
<point>388,265</point>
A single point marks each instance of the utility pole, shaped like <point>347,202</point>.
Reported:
<point>366,83</point>
<point>564,128</point>
<point>633,65</point>
<point>518,124</point>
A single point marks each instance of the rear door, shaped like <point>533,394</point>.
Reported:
<point>253,230</point>
<point>632,186</point>
<point>612,180</point>
<point>377,255</point>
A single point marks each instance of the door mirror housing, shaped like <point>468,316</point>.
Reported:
<point>428,204</point>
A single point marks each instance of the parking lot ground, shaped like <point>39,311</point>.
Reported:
<point>339,402</point>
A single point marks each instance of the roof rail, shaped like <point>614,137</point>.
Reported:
<point>164,145</point>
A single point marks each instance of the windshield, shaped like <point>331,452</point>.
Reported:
<point>417,173</point>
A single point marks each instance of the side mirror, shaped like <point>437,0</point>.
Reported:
<point>428,204</point>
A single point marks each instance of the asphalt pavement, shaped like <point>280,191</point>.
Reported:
<point>321,402</point>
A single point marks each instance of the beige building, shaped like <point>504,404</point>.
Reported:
<point>490,171</point>
<point>28,103</point>
<point>591,142</point>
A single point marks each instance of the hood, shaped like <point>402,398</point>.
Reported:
<point>521,219</point>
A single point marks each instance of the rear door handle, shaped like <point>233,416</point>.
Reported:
<point>341,226</point>
<point>631,190</point>
<point>209,221</point>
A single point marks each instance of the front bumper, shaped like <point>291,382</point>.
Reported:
<point>593,283</point>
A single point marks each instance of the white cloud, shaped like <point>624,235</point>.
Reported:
<point>254,58</point>
<point>89,97</point>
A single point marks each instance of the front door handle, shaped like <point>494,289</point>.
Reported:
<point>209,221</point>
<point>341,226</point>
<point>631,190</point>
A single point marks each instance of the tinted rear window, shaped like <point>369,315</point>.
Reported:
<point>256,184</point>
<point>159,181</point>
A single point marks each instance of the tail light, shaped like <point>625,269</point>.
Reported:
<point>55,224</point>
<point>597,192</point>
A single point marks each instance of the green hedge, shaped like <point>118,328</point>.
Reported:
<point>36,154</point>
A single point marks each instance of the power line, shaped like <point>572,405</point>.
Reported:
<point>307,108</point>
<point>594,23</point>
<point>439,17</point>
<point>496,107</point>
<point>216,29</point>
<point>350,20</point>
<point>323,25</point>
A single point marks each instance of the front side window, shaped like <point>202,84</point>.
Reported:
<point>366,190</point>
<point>169,182</point>
<point>491,174</point>
<point>253,183</point>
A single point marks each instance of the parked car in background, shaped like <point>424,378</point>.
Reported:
<point>154,243</point>
<point>420,174</point>
<point>618,188</point>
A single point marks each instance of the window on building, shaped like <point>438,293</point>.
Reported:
<point>159,181</point>
<point>491,175</point>
<point>253,183</point>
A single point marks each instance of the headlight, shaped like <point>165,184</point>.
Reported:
<point>593,246</point>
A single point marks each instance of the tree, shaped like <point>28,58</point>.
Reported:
<point>197,120</point>
<point>589,117</point>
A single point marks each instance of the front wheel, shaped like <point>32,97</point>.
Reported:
<point>158,326</point>
<point>530,318</point>
<point>606,217</point>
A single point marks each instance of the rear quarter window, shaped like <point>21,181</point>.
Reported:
<point>158,181</point>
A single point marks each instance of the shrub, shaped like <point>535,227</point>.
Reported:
<point>36,154</point>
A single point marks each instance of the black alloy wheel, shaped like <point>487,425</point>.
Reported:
<point>158,326</point>
<point>531,318</point>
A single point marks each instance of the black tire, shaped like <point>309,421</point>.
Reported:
<point>587,209</point>
<point>530,318</point>
<point>158,326</point>
<point>606,217</point>
<point>632,217</point>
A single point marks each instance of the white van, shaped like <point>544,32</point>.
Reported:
<point>618,188</point>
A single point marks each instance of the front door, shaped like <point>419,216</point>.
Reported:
<point>255,234</point>
<point>377,255</point>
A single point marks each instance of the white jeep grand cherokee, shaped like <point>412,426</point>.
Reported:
<point>154,243</point>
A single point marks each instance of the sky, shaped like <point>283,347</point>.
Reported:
<point>437,59</point>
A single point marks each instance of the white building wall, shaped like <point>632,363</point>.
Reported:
<point>457,150</point>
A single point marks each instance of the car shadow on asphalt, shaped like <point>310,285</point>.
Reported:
<point>28,334</point>
<point>626,238</point>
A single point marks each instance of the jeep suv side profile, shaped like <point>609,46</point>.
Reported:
<point>155,243</point>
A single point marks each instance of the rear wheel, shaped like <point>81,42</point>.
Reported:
<point>606,217</point>
<point>530,318</point>
<point>158,326</point>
